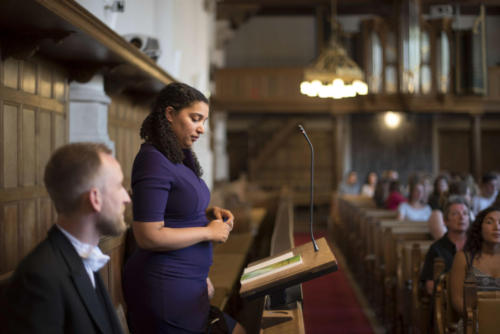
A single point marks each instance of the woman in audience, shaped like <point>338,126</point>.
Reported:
<point>481,257</point>
<point>166,283</point>
<point>414,209</point>
<point>435,222</point>
<point>368,188</point>
<point>440,188</point>
<point>395,198</point>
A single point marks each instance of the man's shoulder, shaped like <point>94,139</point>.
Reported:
<point>43,260</point>
<point>442,244</point>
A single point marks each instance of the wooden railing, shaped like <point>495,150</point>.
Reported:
<point>250,90</point>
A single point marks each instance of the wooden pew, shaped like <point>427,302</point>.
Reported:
<point>289,301</point>
<point>387,270</point>
<point>348,226</point>
<point>376,266</point>
<point>408,299</point>
<point>230,257</point>
<point>481,308</point>
<point>445,317</point>
<point>367,249</point>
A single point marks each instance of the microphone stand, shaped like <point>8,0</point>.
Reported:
<point>316,248</point>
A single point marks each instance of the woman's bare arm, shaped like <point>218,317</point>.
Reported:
<point>155,237</point>
<point>436,224</point>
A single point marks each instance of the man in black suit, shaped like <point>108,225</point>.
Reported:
<point>57,287</point>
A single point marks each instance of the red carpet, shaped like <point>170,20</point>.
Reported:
<point>330,305</point>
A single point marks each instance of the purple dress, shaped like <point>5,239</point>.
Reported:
<point>166,292</point>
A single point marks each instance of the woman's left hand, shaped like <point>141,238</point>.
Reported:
<point>218,213</point>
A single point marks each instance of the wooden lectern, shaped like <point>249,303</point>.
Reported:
<point>314,264</point>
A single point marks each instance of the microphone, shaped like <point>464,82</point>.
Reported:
<point>301,128</point>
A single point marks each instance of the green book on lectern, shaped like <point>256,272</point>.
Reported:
<point>259,271</point>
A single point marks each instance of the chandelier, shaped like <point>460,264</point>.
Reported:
<point>334,74</point>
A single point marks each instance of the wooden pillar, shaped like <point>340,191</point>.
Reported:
<point>476,158</point>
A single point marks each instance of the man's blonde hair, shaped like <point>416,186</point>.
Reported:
<point>71,171</point>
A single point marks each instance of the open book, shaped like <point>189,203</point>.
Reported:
<point>270,267</point>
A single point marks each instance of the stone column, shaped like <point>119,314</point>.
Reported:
<point>88,112</point>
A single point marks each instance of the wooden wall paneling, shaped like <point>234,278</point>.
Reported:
<point>59,130</point>
<point>32,125</point>
<point>10,146</point>
<point>46,216</point>
<point>112,272</point>
<point>454,150</point>
<point>29,77</point>
<point>490,140</point>
<point>28,148</point>
<point>45,82</point>
<point>59,87</point>
<point>116,266</point>
<point>475,136</point>
<point>11,73</point>
<point>9,237</point>
<point>43,142</point>
<point>125,119</point>
<point>28,231</point>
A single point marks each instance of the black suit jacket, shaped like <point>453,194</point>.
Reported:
<point>50,292</point>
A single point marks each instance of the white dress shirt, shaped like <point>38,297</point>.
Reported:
<point>92,256</point>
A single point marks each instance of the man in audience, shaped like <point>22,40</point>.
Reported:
<point>488,193</point>
<point>57,287</point>
<point>350,186</point>
<point>456,219</point>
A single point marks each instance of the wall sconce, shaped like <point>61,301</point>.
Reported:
<point>392,119</point>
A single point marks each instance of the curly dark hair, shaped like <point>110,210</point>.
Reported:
<point>474,236</point>
<point>157,130</point>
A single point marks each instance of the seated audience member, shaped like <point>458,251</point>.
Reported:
<point>350,186</point>
<point>414,209</point>
<point>440,189</point>
<point>436,224</point>
<point>57,287</point>
<point>488,193</point>
<point>456,218</point>
<point>395,198</point>
<point>428,187</point>
<point>381,192</point>
<point>368,188</point>
<point>480,256</point>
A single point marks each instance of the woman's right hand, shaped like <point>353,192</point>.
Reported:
<point>218,230</point>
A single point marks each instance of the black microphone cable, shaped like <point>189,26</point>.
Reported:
<point>301,128</point>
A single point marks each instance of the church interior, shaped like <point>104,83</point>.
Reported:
<point>408,90</point>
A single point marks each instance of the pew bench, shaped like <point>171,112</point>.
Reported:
<point>445,317</point>
<point>386,265</point>
<point>230,258</point>
<point>481,309</point>
<point>409,305</point>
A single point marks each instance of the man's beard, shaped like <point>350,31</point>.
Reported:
<point>109,226</point>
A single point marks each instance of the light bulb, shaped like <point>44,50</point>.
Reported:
<point>392,119</point>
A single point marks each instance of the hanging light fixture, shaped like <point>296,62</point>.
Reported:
<point>334,74</point>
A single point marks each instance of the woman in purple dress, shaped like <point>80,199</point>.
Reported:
<point>166,281</point>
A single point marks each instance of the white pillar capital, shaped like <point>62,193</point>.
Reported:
<point>88,112</point>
